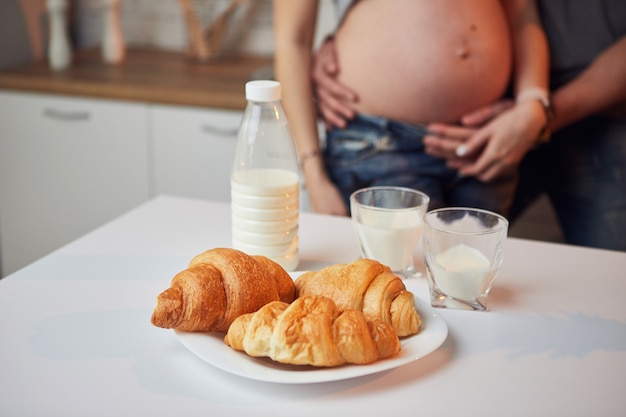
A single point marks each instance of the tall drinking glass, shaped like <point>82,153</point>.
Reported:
<point>388,222</point>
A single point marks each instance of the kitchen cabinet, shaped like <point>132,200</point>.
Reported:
<point>67,165</point>
<point>193,150</point>
<point>81,146</point>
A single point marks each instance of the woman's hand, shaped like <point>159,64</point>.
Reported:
<point>494,149</point>
<point>325,198</point>
<point>443,140</point>
<point>333,98</point>
<point>500,146</point>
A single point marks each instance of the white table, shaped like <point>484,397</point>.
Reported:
<point>76,338</point>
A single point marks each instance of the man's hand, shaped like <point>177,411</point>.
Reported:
<point>491,141</point>
<point>500,146</point>
<point>448,141</point>
<point>492,150</point>
<point>483,115</point>
<point>333,97</point>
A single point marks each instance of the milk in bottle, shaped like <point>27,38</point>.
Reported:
<point>265,180</point>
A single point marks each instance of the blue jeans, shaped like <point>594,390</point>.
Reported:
<point>583,171</point>
<point>374,151</point>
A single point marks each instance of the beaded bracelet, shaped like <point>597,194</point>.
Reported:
<point>309,155</point>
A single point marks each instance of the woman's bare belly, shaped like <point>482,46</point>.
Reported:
<point>423,61</point>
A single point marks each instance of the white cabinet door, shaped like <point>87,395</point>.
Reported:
<point>193,150</point>
<point>67,165</point>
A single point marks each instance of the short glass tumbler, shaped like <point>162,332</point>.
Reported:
<point>388,222</point>
<point>463,254</point>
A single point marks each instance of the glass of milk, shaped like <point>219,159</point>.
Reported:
<point>462,254</point>
<point>388,222</point>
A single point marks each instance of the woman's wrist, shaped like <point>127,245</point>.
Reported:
<point>309,156</point>
<point>314,169</point>
<point>542,97</point>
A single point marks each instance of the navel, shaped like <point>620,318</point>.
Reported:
<point>463,51</point>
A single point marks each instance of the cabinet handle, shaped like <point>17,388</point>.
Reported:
<point>68,116</point>
<point>219,131</point>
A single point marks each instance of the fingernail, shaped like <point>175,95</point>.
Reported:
<point>461,150</point>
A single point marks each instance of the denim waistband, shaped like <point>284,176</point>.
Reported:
<point>403,128</point>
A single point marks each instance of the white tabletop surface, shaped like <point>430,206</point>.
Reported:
<point>76,338</point>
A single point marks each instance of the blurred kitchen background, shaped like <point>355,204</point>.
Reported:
<point>82,145</point>
<point>158,24</point>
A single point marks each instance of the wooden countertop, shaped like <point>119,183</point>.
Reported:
<point>145,76</point>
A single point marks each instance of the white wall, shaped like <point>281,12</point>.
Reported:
<point>145,23</point>
<point>160,24</point>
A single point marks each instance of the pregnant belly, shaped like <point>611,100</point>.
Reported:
<point>424,65</point>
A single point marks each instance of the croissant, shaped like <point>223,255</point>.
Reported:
<point>218,286</point>
<point>368,286</point>
<point>312,331</point>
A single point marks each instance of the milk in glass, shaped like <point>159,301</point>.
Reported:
<point>462,272</point>
<point>392,247</point>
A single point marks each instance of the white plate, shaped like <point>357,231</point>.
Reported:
<point>211,348</point>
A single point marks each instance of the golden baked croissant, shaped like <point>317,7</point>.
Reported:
<point>365,285</point>
<point>218,286</point>
<point>312,331</point>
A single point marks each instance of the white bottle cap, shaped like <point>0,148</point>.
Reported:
<point>263,90</point>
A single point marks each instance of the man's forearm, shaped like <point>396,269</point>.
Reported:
<point>597,89</point>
